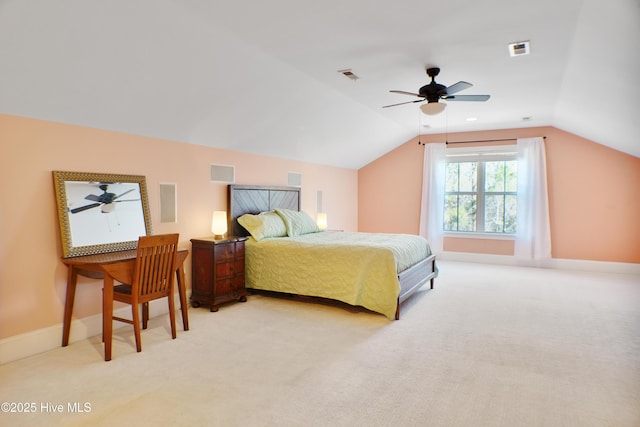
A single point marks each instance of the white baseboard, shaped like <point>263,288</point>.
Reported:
<point>557,263</point>
<point>41,340</point>
<point>596,266</point>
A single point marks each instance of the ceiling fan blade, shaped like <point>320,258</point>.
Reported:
<point>84,208</point>
<point>402,103</point>
<point>476,98</point>
<point>127,200</point>
<point>457,87</point>
<point>93,198</point>
<point>122,194</point>
<point>406,93</point>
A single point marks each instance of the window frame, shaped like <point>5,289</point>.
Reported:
<point>480,155</point>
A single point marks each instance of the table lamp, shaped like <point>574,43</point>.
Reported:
<point>321,220</point>
<point>219,224</point>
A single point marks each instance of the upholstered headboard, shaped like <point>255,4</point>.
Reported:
<point>254,199</point>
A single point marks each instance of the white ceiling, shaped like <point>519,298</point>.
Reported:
<point>262,76</point>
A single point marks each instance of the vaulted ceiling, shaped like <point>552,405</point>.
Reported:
<point>262,76</point>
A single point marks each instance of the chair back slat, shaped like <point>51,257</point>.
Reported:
<point>155,265</point>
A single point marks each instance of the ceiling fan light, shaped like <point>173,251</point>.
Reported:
<point>433,108</point>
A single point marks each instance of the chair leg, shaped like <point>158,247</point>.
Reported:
<point>103,316</point>
<point>107,315</point>
<point>135,314</point>
<point>145,315</point>
<point>172,316</point>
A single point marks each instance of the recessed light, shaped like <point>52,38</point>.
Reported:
<point>472,119</point>
<point>526,118</point>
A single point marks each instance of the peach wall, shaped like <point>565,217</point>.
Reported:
<point>32,278</point>
<point>593,203</point>
<point>389,191</point>
<point>478,246</point>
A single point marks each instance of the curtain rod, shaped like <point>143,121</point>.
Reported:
<point>479,140</point>
<point>485,140</point>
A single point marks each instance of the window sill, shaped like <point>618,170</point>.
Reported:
<point>487,236</point>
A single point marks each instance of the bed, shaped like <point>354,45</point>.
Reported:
<point>377,271</point>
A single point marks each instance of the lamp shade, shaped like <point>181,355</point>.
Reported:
<point>321,220</point>
<point>219,223</point>
<point>433,108</point>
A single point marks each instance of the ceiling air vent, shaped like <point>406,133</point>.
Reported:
<point>519,48</point>
<point>348,73</point>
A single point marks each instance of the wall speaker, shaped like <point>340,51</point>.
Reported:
<point>168,203</point>
<point>294,179</point>
<point>223,173</point>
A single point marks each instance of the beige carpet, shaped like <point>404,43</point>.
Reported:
<point>490,346</point>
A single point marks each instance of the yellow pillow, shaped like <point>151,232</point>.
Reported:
<point>263,225</point>
<point>297,223</point>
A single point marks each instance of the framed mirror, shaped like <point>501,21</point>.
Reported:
<point>100,213</point>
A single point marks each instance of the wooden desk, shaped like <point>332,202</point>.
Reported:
<point>92,266</point>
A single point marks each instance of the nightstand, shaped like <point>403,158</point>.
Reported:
<point>217,269</point>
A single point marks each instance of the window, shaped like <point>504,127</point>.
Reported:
<point>481,191</point>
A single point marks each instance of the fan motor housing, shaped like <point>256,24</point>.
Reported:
<point>433,91</point>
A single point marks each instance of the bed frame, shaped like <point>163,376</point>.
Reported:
<point>253,199</point>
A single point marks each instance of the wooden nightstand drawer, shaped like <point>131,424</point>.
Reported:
<point>225,286</point>
<point>218,271</point>
<point>231,268</point>
<point>224,252</point>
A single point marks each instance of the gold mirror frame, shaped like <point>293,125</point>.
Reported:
<point>91,216</point>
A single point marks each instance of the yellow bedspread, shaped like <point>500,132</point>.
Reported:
<point>356,268</point>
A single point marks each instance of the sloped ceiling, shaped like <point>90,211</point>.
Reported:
<point>262,77</point>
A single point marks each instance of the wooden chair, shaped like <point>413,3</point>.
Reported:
<point>152,278</point>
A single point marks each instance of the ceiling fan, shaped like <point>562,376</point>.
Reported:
<point>434,91</point>
<point>106,200</point>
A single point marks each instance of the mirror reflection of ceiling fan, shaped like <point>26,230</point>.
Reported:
<point>106,201</point>
<point>433,92</point>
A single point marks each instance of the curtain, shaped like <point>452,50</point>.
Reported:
<point>533,236</point>
<point>432,204</point>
